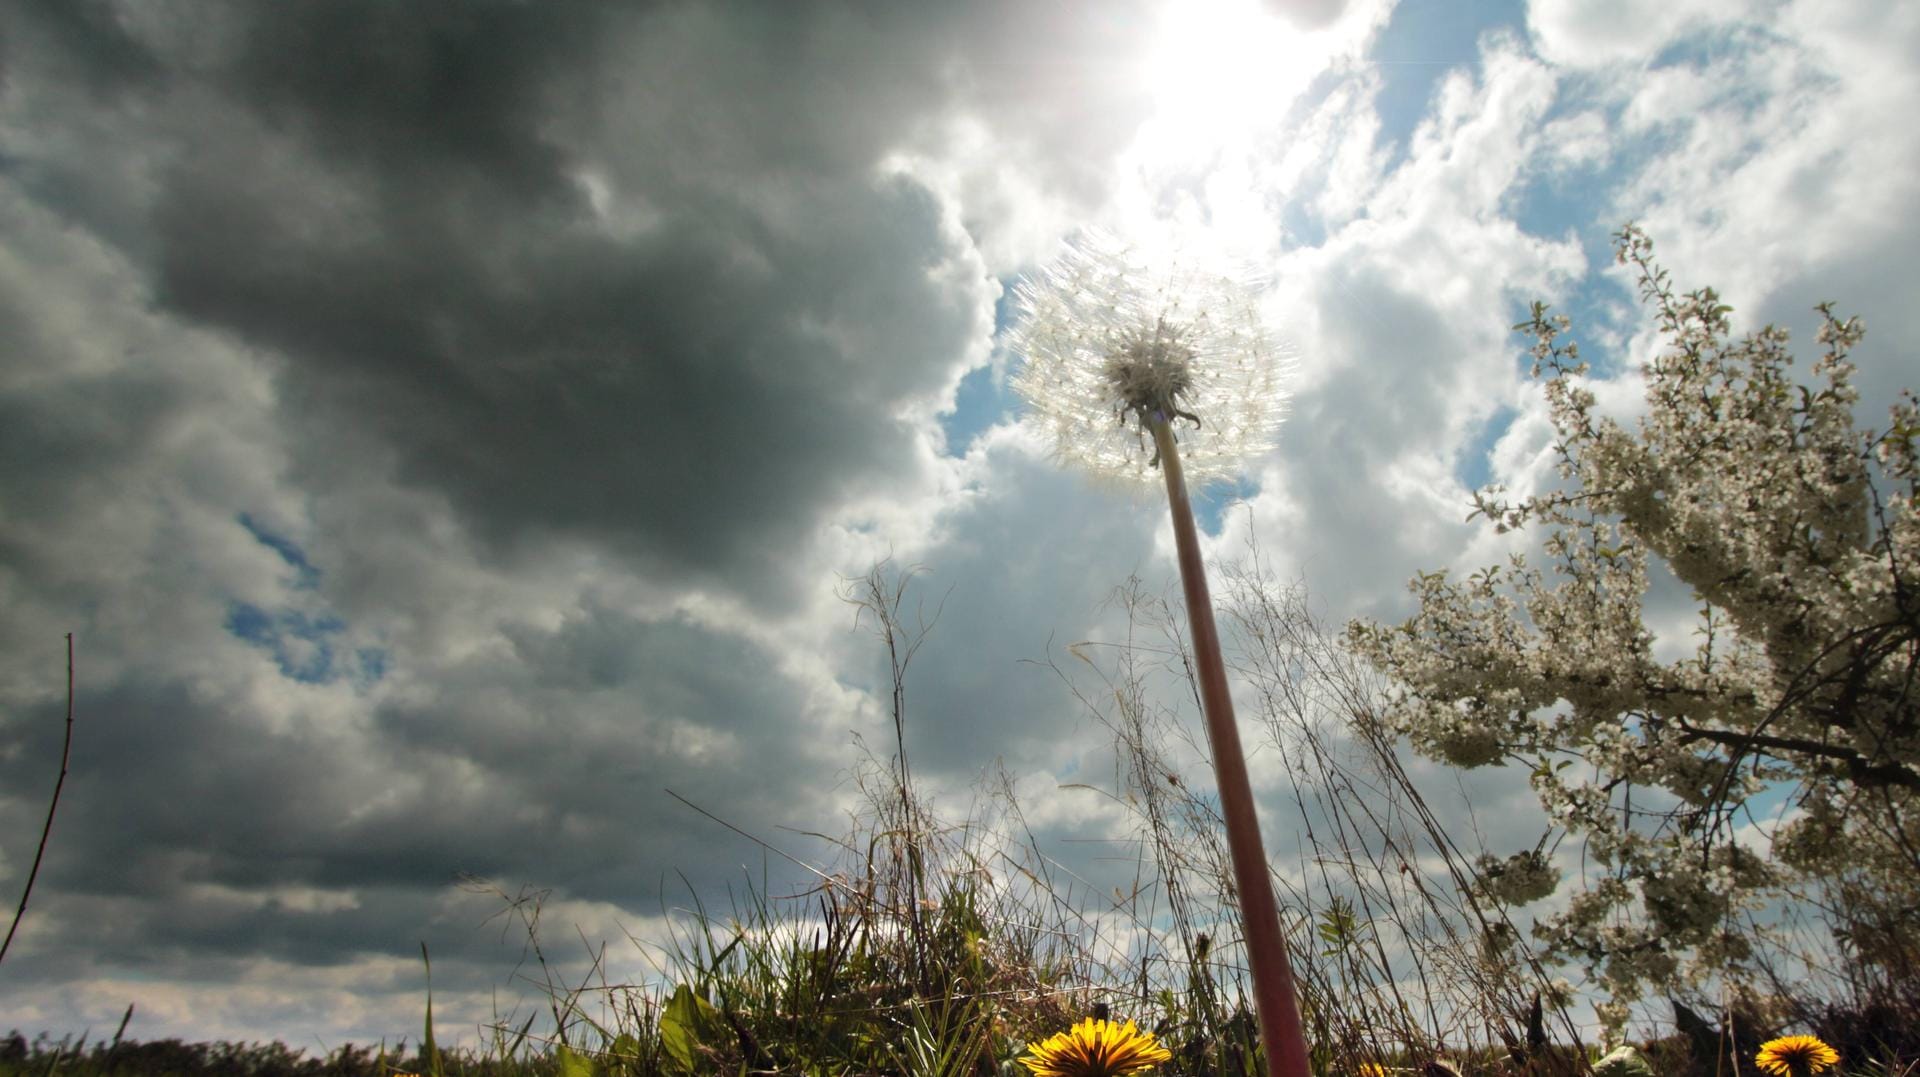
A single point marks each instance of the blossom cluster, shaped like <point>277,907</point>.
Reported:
<point>1796,531</point>
<point>1518,879</point>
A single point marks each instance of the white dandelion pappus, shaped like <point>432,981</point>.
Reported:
<point>1109,338</point>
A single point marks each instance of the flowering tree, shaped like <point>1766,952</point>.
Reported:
<point>1797,533</point>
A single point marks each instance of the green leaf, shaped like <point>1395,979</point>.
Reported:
<point>1338,927</point>
<point>573,1063</point>
<point>625,1053</point>
<point>685,1016</point>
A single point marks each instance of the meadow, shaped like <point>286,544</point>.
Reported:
<point>946,946</point>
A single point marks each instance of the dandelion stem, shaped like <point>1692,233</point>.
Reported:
<point>1273,995</point>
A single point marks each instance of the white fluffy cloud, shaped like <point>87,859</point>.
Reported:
<point>1589,33</point>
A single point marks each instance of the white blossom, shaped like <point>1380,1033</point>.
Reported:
<point>1797,533</point>
<point>1517,879</point>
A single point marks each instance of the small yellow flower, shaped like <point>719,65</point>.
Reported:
<point>1796,1056</point>
<point>1095,1048</point>
<point>1371,1069</point>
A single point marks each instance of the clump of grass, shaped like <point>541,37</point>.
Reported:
<point>73,1057</point>
<point>952,947</point>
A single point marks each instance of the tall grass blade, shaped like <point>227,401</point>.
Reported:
<point>427,1047</point>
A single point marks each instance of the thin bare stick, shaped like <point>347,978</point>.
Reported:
<point>66,751</point>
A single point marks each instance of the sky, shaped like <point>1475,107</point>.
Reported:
<point>448,430</point>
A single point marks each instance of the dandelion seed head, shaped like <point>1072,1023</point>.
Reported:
<point>1150,370</point>
<point>1109,338</point>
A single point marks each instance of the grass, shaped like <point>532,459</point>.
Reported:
<point>941,947</point>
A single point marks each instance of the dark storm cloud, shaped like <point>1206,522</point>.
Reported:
<point>61,447</point>
<point>430,269</point>
<point>87,40</point>
<point>567,781</point>
<point>416,96</point>
<point>657,399</point>
<point>400,202</point>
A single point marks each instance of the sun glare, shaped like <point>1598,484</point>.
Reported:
<point>1222,70</point>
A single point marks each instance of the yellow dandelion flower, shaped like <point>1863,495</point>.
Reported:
<point>1371,1069</point>
<point>1796,1056</point>
<point>1095,1048</point>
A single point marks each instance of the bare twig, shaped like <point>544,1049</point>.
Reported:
<point>66,752</point>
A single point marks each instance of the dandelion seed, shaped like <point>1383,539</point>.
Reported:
<point>1796,1056</point>
<point>1095,1048</point>
<point>1110,340</point>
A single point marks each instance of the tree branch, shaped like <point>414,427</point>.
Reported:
<point>1862,770</point>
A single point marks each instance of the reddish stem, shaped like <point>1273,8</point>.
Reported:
<point>1273,994</point>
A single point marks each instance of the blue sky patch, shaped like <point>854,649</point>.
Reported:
<point>306,575</point>
<point>374,662</point>
<point>981,400</point>
<point>1212,501</point>
<point>302,645</point>
<point>1422,44</point>
<point>306,647</point>
<point>979,403</point>
<point>1475,469</point>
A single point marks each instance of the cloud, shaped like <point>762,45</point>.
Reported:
<point>1406,355</point>
<point>564,274</point>
<point>445,430</point>
<point>436,427</point>
<point>1794,128</point>
<point>1580,33</point>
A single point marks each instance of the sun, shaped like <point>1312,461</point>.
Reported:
<point>1221,142</point>
<point>1221,71</point>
